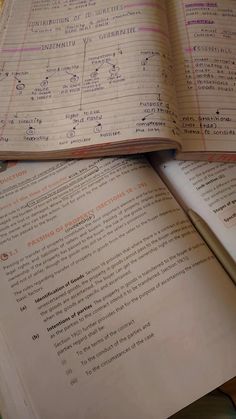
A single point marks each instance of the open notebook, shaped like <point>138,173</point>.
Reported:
<point>98,77</point>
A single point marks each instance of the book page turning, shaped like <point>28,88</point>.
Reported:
<point>75,75</point>
<point>207,188</point>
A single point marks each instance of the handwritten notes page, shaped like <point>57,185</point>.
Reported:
<point>110,302</point>
<point>203,40</point>
<point>85,74</point>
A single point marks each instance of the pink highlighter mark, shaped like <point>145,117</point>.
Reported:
<point>157,30</point>
<point>21,49</point>
<point>189,50</point>
<point>143,4</point>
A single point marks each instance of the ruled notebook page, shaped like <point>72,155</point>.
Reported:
<point>203,39</point>
<point>75,74</point>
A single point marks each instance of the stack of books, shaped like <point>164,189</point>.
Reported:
<point>111,303</point>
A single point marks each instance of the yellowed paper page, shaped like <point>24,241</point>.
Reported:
<point>79,74</point>
<point>110,303</point>
<point>203,40</point>
<point>210,190</point>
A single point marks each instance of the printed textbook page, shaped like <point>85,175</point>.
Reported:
<point>203,47</point>
<point>111,303</point>
<point>85,74</point>
<point>207,188</point>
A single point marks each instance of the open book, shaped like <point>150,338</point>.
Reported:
<point>111,305</point>
<point>101,77</point>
